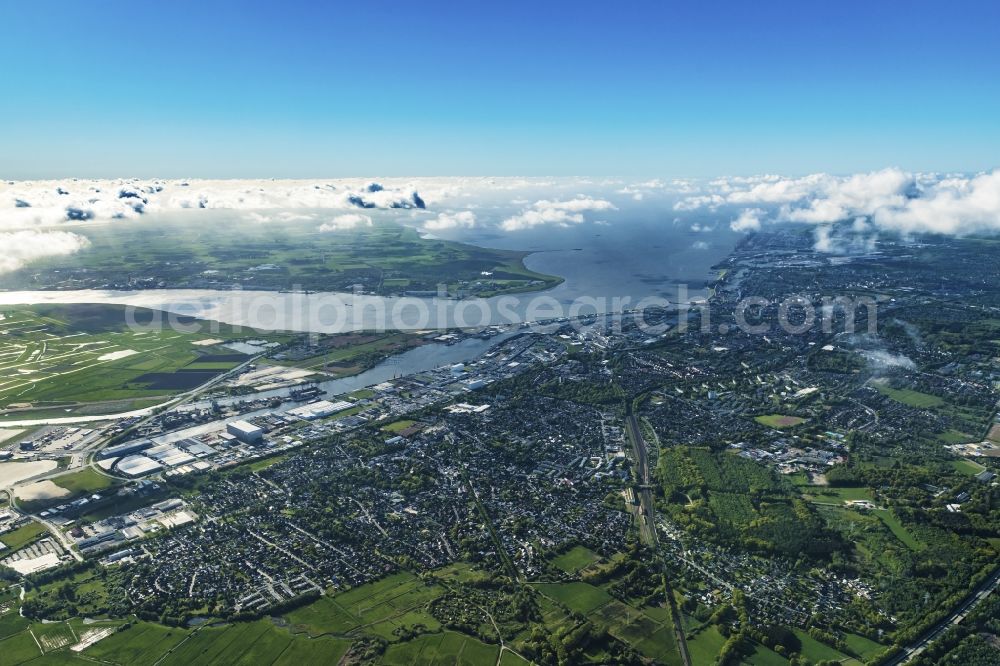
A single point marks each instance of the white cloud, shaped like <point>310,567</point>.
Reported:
<point>21,247</point>
<point>345,222</point>
<point>561,213</point>
<point>824,243</point>
<point>950,206</point>
<point>748,220</point>
<point>886,200</point>
<point>815,199</point>
<point>710,201</point>
<point>860,194</point>
<point>638,192</point>
<point>465,219</point>
<point>700,245</point>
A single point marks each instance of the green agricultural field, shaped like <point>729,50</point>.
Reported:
<point>445,648</point>
<point>580,597</point>
<point>87,358</point>
<point>22,536</point>
<point>460,572</point>
<point>836,494</point>
<point>396,426</point>
<point>305,651</point>
<point>765,656</point>
<point>261,642</point>
<point>19,649</point>
<point>575,559</point>
<point>511,659</point>
<point>382,607</point>
<point>861,646</point>
<point>815,651</point>
<point>264,463</point>
<point>86,481</point>
<point>217,249</point>
<point>252,643</point>
<point>705,645</point>
<point>955,437</point>
<point>909,396</point>
<point>966,466</point>
<point>650,636</point>
<point>143,642</point>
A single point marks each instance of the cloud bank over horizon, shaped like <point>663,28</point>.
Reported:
<point>42,203</point>
<point>846,213</point>
<point>890,200</point>
<point>29,209</point>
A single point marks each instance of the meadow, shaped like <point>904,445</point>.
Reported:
<point>644,629</point>
<point>85,481</point>
<point>447,647</point>
<point>836,494</point>
<point>397,601</point>
<point>575,559</point>
<point>909,396</point>
<point>22,536</point>
<point>779,420</point>
<point>251,643</point>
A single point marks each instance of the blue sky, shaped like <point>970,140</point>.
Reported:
<point>325,89</point>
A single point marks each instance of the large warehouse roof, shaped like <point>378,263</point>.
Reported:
<point>138,465</point>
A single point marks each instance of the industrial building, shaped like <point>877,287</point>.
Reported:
<point>246,432</point>
<point>319,409</point>
<point>124,449</point>
<point>169,455</point>
<point>138,466</point>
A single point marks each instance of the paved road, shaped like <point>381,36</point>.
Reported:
<point>647,520</point>
<point>974,599</point>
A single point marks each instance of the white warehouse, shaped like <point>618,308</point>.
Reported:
<point>246,432</point>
